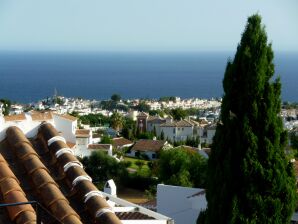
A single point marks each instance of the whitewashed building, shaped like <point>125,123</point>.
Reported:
<point>180,130</point>
<point>182,204</point>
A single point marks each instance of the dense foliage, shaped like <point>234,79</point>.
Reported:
<point>102,167</point>
<point>116,121</point>
<point>249,179</point>
<point>6,106</point>
<point>94,119</point>
<point>182,167</point>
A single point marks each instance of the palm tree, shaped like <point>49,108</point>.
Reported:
<point>116,121</point>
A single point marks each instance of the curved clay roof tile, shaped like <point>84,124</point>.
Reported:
<point>32,164</point>
<point>61,209</point>
<point>2,160</point>
<point>15,136</point>
<point>50,194</point>
<point>96,203</point>
<point>5,172</point>
<point>14,197</point>
<point>56,146</point>
<point>74,172</point>
<point>48,131</point>
<point>71,220</point>
<point>66,158</point>
<point>41,178</point>
<point>26,217</point>
<point>24,150</point>
<point>10,184</point>
<point>85,187</point>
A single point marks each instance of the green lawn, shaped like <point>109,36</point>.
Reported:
<point>145,170</point>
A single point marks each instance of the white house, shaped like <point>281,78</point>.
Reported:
<point>208,134</point>
<point>66,124</point>
<point>120,143</point>
<point>180,130</point>
<point>29,124</point>
<point>183,204</point>
<point>148,147</point>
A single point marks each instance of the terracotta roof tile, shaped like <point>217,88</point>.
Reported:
<point>67,117</point>
<point>45,116</point>
<point>119,142</point>
<point>99,146</point>
<point>83,133</point>
<point>132,216</point>
<point>148,145</point>
<point>70,144</point>
<point>182,123</point>
<point>16,117</point>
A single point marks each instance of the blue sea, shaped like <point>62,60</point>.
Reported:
<point>28,77</point>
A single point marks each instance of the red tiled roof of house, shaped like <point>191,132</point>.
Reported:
<point>16,117</point>
<point>182,123</point>
<point>99,146</point>
<point>36,166</point>
<point>70,144</point>
<point>149,145</point>
<point>132,216</point>
<point>119,142</point>
<point>67,117</point>
<point>37,116</point>
<point>83,133</point>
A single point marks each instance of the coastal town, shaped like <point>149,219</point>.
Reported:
<point>134,132</point>
<point>131,132</point>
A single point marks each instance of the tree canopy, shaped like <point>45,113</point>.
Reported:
<point>102,167</point>
<point>117,121</point>
<point>6,106</point>
<point>182,167</point>
<point>116,97</point>
<point>249,177</point>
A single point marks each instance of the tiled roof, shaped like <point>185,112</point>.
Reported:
<point>83,133</point>
<point>149,145</point>
<point>156,120</point>
<point>70,144</point>
<point>67,117</point>
<point>37,116</point>
<point>151,204</point>
<point>132,216</point>
<point>96,135</point>
<point>119,142</point>
<point>99,146</point>
<point>16,117</point>
<point>53,176</point>
<point>182,123</point>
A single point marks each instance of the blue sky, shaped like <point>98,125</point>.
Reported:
<point>141,25</point>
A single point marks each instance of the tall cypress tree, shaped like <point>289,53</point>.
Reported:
<point>250,180</point>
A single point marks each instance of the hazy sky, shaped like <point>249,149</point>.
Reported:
<point>142,25</point>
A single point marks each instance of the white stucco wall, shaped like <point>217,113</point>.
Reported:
<point>175,202</point>
<point>67,127</point>
<point>81,148</point>
<point>29,127</point>
<point>180,134</point>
